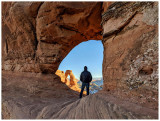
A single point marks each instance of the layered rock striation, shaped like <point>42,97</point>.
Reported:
<point>104,106</point>
<point>32,95</point>
<point>36,36</point>
<point>130,39</point>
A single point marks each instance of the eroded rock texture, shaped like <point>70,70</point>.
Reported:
<point>36,36</point>
<point>30,96</point>
<point>130,39</point>
<point>104,106</point>
<point>39,96</point>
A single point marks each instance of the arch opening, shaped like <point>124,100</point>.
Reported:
<point>88,53</point>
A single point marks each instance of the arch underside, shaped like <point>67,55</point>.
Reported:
<point>50,31</point>
<point>37,36</point>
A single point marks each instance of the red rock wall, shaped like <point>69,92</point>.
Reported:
<point>38,35</point>
<point>19,38</point>
<point>130,39</point>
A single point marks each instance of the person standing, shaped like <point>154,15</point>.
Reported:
<point>85,78</point>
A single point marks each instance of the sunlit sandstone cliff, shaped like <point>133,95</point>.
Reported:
<point>72,82</point>
<point>36,36</point>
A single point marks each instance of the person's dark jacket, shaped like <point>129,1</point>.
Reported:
<point>86,76</point>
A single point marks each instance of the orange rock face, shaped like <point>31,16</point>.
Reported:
<point>72,77</point>
<point>130,39</point>
<point>72,82</point>
<point>36,37</point>
<point>61,74</point>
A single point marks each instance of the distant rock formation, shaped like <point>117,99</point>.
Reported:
<point>37,36</point>
<point>72,77</point>
<point>61,74</point>
<point>72,82</point>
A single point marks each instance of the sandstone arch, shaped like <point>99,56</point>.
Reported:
<point>72,82</point>
<point>64,78</point>
<point>72,78</point>
<point>51,30</point>
<point>37,36</point>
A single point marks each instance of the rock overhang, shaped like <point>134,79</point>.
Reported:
<point>29,44</point>
<point>45,32</point>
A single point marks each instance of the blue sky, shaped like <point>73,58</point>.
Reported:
<point>89,53</point>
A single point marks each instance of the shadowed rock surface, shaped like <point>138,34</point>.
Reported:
<point>25,96</point>
<point>30,95</point>
<point>36,36</point>
<point>130,39</point>
<point>104,106</point>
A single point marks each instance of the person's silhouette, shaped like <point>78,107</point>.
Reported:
<point>85,78</point>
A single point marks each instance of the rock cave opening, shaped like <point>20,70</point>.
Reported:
<point>36,38</point>
<point>88,53</point>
